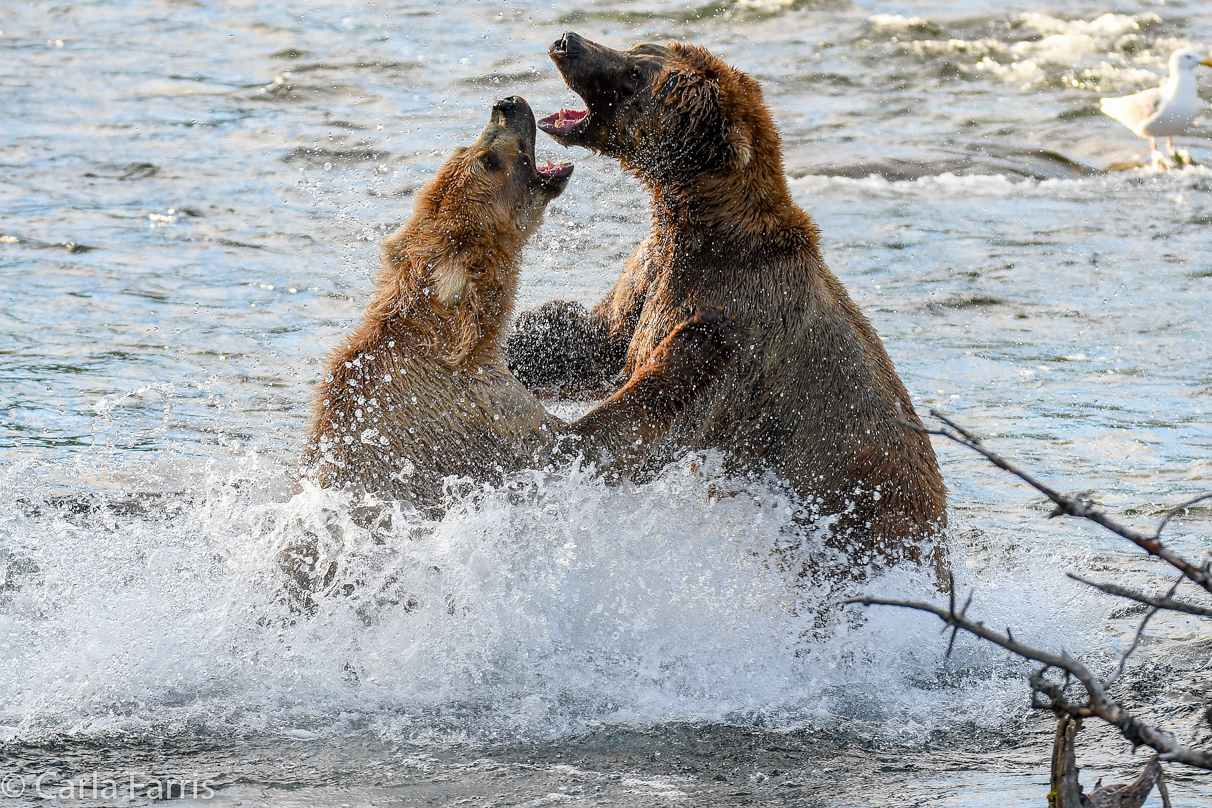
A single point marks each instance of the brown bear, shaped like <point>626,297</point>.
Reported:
<point>421,390</point>
<point>812,395</point>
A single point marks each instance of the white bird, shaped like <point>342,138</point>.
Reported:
<point>1162,111</point>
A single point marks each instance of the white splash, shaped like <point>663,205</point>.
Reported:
<point>553,604</point>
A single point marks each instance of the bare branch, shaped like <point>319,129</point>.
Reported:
<point>1079,506</point>
<point>1165,792</point>
<point>1123,658</point>
<point>1167,603</point>
<point>1057,701</point>
<point>1140,632</point>
<point>1179,508</point>
<point>1134,794</point>
<point>1099,703</point>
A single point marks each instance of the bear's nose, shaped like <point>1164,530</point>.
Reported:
<point>570,44</point>
<point>514,114</point>
<point>513,109</point>
<point>507,105</point>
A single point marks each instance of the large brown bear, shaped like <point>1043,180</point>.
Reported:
<point>812,394</point>
<point>421,390</point>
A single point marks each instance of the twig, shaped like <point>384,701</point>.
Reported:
<point>1165,792</point>
<point>1179,508</point>
<point>1098,704</point>
<point>1081,507</point>
<point>1140,632</point>
<point>1167,603</point>
<point>1050,695</point>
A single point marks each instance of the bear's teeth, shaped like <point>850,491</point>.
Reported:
<point>569,117</point>
<point>564,121</point>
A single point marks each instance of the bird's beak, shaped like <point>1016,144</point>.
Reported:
<point>1206,63</point>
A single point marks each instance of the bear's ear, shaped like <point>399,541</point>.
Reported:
<point>690,93</point>
<point>697,97</point>
<point>740,144</point>
<point>490,160</point>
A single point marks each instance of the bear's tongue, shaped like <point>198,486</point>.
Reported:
<point>555,171</point>
<point>563,121</point>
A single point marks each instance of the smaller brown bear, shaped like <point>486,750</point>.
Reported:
<point>420,391</point>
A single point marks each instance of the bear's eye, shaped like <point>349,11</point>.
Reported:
<point>633,79</point>
<point>490,161</point>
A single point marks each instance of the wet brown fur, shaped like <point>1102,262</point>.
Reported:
<point>812,394</point>
<point>420,390</point>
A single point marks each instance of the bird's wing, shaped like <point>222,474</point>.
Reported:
<point>1133,110</point>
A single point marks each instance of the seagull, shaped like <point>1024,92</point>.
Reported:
<point>1162,111</point>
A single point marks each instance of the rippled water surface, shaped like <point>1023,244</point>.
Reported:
<point>191,196</point>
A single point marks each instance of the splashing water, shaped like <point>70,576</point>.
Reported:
<point>179,252</point>
<point>538,610</point>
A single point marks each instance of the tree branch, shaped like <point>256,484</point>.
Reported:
<point>1168,603</point>
<point>1080,506</point>
<point>1099,703</point>
<point>1140,632</point>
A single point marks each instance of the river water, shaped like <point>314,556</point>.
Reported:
<point>191,196</point>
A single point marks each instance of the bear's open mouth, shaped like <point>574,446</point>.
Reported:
<point>555,171</point>
<point>564,123</point>
<point>553,177</point>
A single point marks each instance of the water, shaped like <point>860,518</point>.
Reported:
<point>192,195</point>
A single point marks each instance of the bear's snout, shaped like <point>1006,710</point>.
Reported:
<point>514,112</point>
<point>570,44</point>
<point>508,105</point>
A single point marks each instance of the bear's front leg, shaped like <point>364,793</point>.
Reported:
<point>562,349</point>
<point>624,427</point>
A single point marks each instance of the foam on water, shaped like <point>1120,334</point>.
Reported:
<point>1107,53</point>
<point>940,186</point>
<point>549,606</point>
